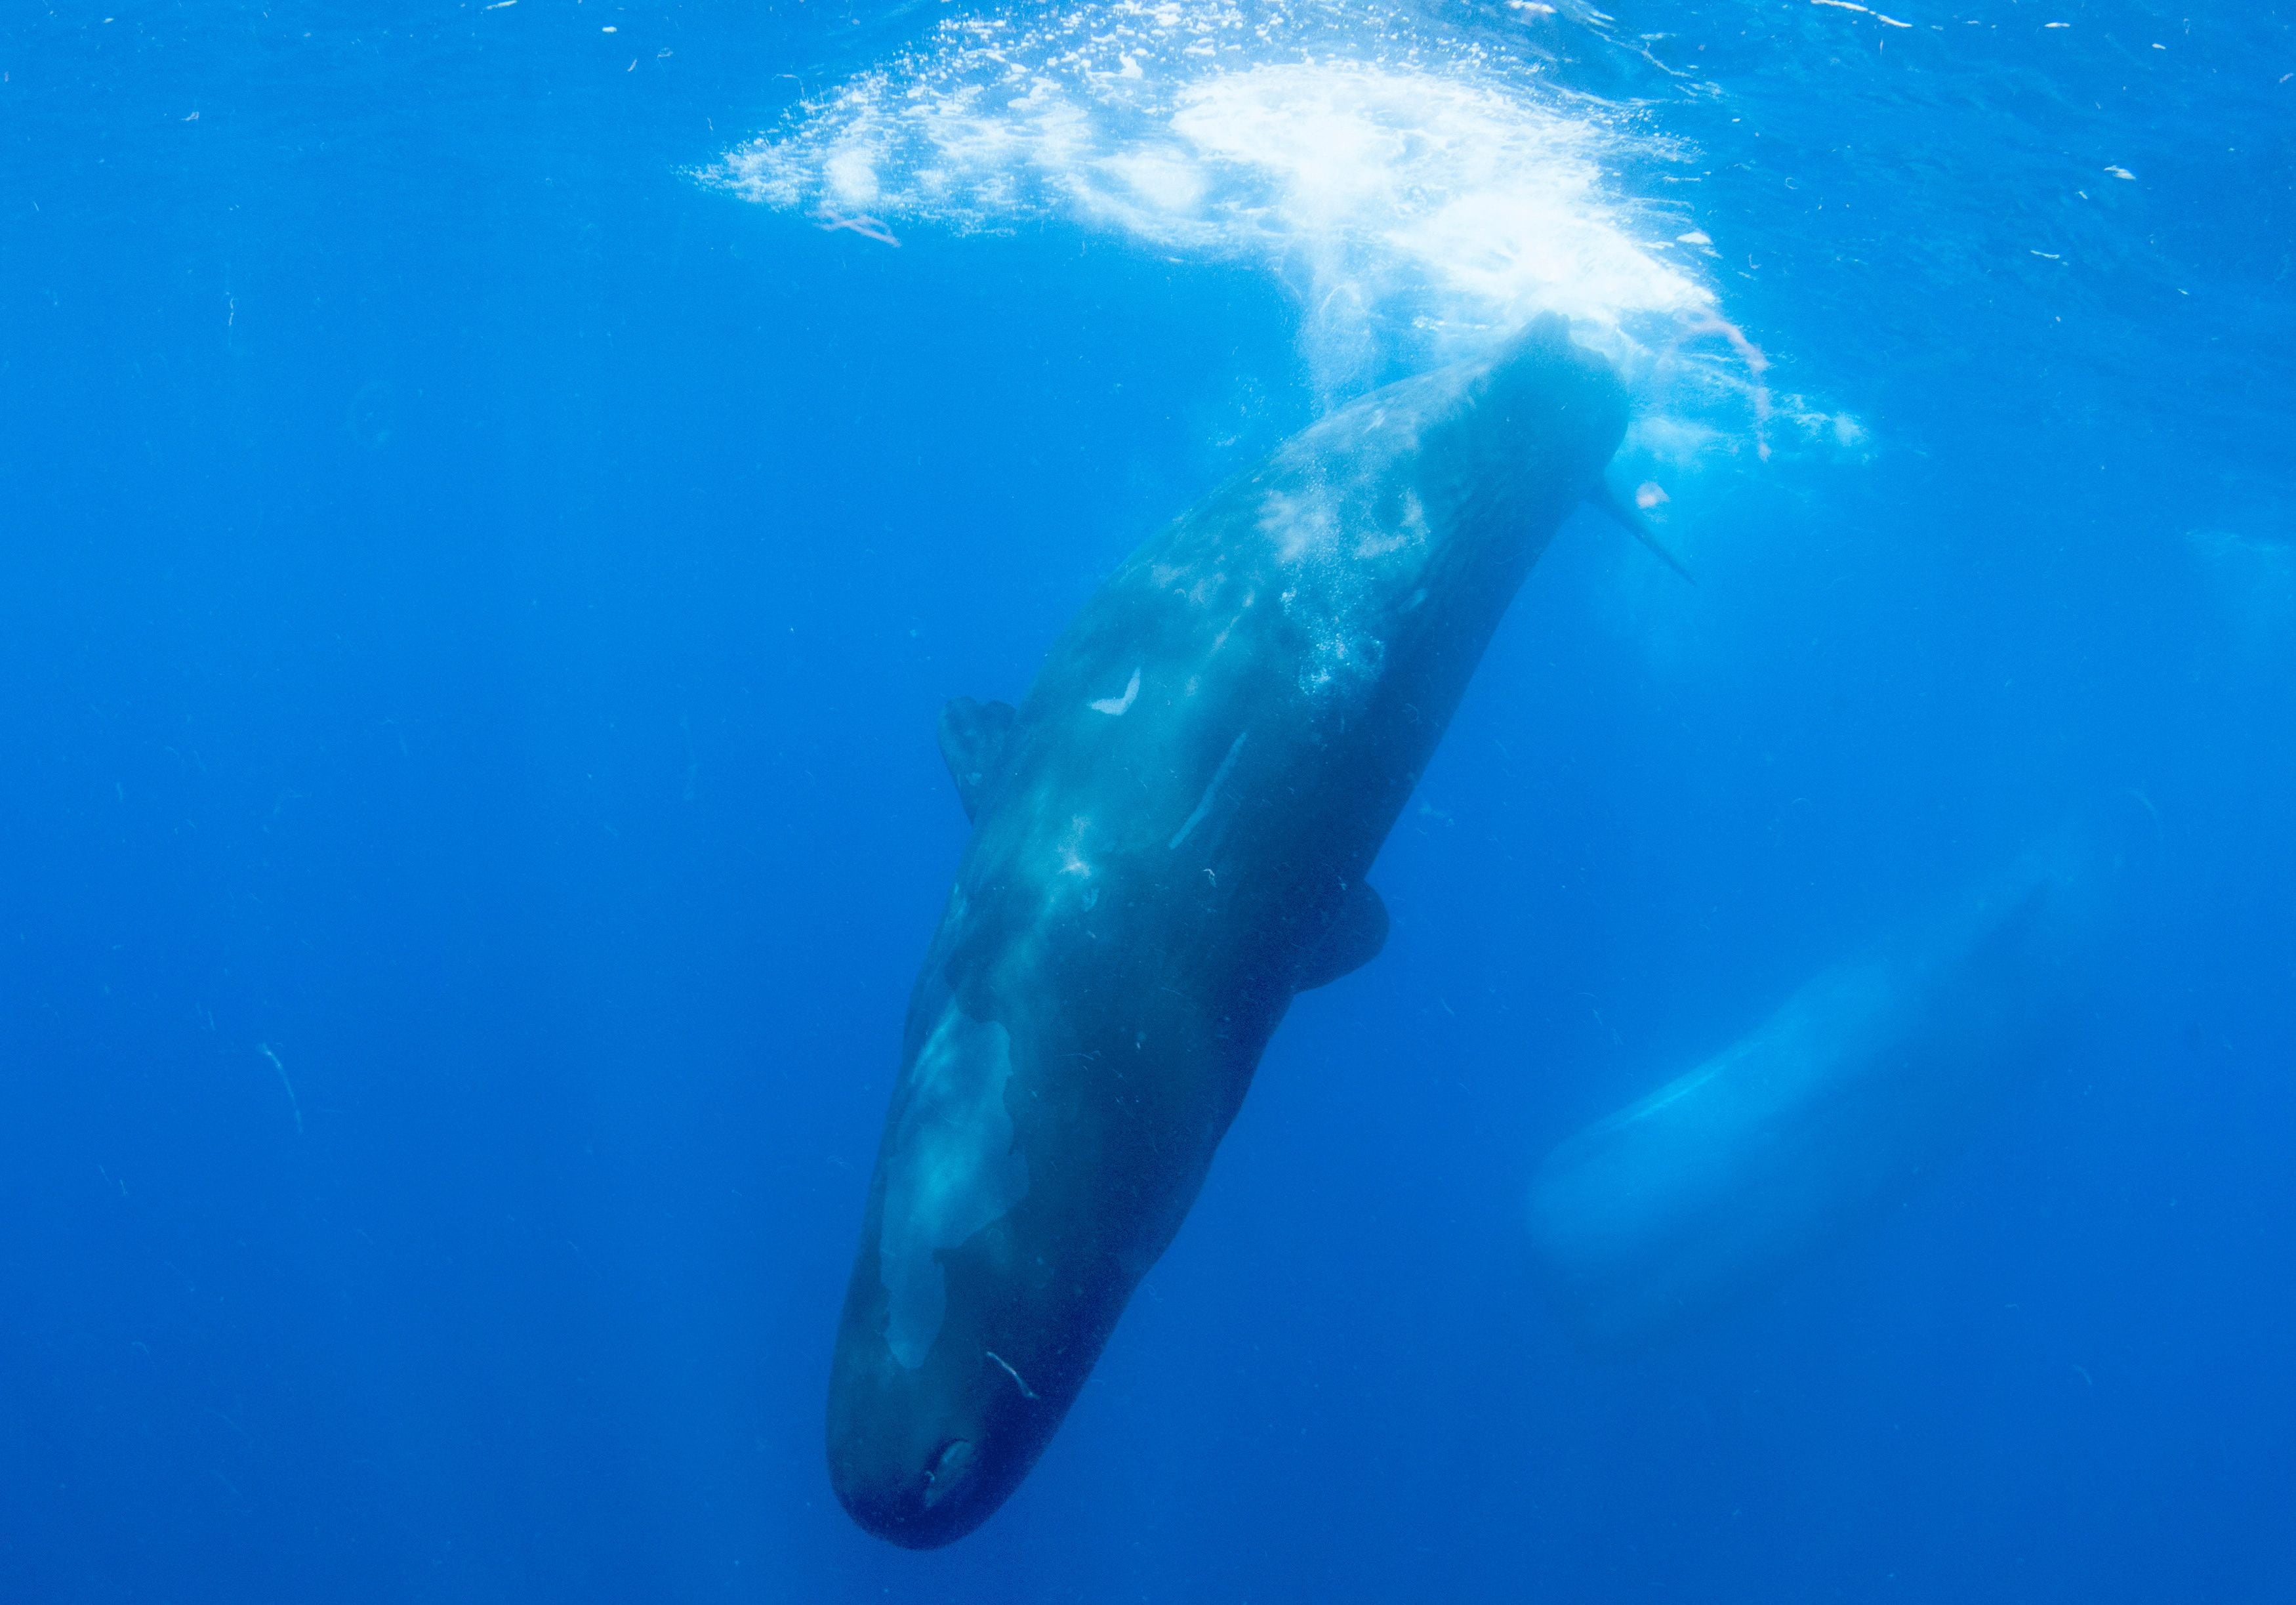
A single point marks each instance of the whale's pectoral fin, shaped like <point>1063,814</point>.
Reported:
<point>973,741</point>
<point>1354,938</point>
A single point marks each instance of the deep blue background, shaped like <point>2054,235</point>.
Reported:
<point>473,610</point>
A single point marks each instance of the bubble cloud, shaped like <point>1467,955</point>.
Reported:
<point>1419,194</point>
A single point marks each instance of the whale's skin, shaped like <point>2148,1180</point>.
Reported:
<point>1870,1075</point>
<point>1169,840</point>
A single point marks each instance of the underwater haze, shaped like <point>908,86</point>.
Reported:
<point>496,497</point>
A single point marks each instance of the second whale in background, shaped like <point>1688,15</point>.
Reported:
<point>1727,1177</point>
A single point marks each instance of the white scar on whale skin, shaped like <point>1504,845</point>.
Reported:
<point>955,1171</point>
<point>1118,706</point>
<point>1205,806</point>
<point>1027,1392</point>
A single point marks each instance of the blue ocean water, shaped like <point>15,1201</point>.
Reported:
<point>496,497</point>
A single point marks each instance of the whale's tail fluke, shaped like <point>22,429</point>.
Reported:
<point>1638,527</point>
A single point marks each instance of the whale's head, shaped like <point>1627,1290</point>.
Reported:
<point>935,1412</point>
<point>920,1454</point>
<point>915,1460</point>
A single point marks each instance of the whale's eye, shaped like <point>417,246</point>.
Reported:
<point>947,1470</point>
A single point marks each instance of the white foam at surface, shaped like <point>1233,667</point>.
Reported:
<point>1420,195</point>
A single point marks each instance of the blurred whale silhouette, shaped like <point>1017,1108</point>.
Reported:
<point>1870,1074</point>
<point>1170,837</point>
